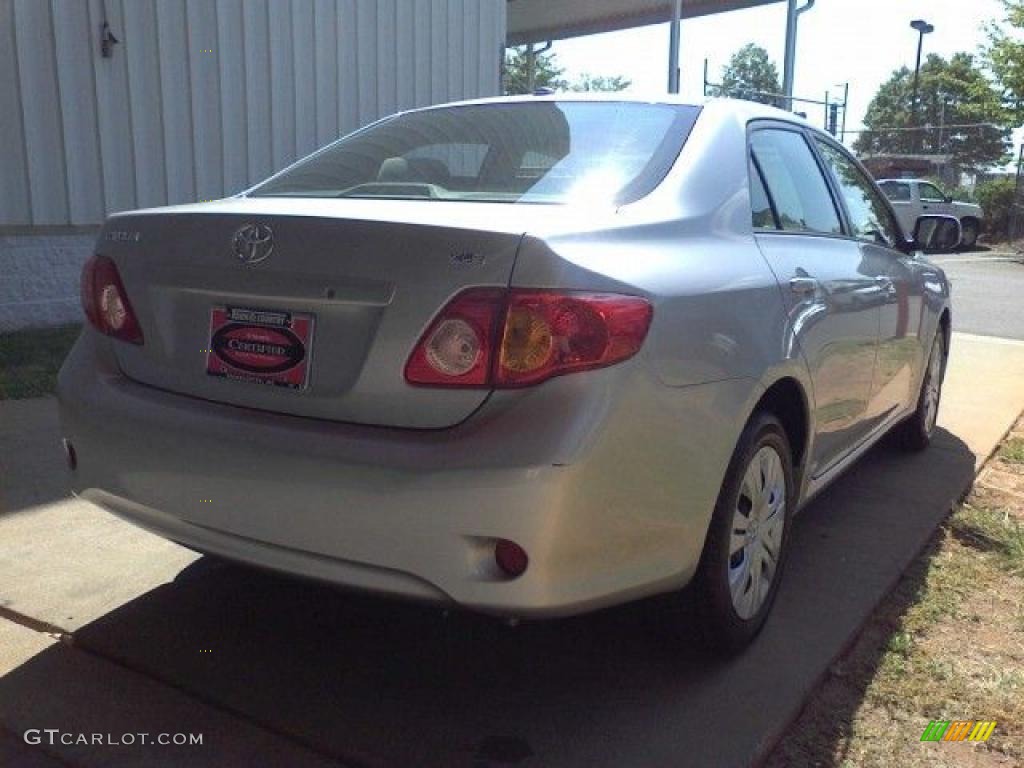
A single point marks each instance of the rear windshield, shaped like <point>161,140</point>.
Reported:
<point>542,152</point>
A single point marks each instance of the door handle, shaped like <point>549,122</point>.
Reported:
<point>803,286</point>
<point>886,284</point>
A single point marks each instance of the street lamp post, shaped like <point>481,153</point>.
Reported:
<point>923,28</point>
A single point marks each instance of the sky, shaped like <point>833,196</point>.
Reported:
<point>839,41</point>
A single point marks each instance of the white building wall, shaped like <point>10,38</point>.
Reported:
<point>202,98</point>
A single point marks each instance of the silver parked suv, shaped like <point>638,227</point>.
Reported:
<point>531,356</point>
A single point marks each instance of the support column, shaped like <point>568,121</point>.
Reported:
<point>673,47</point>
<point>790,58</point>
<point>789,65</point>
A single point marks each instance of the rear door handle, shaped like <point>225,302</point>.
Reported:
<point>803,285</point>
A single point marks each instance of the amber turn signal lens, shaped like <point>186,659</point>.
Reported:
<point>526,345</point>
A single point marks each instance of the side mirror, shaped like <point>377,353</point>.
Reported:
<point>949,198</point>
<point>937,234</point>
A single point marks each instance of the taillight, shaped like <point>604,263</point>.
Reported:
<point>457,348</point>
<point>105,301</point>
<point>516,338</point>
<point>548,334</point>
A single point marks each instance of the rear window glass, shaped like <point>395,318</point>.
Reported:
<point>542,152</point>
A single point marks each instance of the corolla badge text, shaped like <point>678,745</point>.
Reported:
<point>123,236</point>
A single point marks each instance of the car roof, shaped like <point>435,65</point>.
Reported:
<point>712,105</point>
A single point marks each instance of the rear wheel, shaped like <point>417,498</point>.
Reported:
<point>741,566</point>
<point>970,233</point>
<point>915,434</point>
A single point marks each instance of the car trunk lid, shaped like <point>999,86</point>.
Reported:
<point>358,280</point>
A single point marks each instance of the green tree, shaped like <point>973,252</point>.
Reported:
<point>951,93</point>
<point>528,68</point>
<point>750,75</point>
<point>1005,56</point>
<point>597,83</point>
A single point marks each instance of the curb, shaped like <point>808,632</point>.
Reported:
<point>770,743</point>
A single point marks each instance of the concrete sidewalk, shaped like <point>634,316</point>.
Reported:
<point>312,674</point>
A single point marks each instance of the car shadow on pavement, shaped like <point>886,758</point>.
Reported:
<point>376,682</point>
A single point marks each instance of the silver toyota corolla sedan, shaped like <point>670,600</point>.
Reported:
<point>530,356</point>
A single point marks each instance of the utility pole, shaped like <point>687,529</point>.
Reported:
<point>531,64</point>
<point>846,109</point>
<point>942,126</point>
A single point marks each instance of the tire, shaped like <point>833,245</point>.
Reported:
<point>969,237</point>
<point>730,607</point>
<point>915,434</point>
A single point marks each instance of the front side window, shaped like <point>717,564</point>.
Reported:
<point>795,182</point>
<point>869,216</point>
<point>930,193</point>
<point>897,191</point>
<point>522,152</point>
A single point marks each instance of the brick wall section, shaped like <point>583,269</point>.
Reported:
<point>39,279</point>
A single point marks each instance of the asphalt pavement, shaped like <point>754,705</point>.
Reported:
<point>988,292</point>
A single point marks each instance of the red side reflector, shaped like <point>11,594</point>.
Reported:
<point>512,559</point>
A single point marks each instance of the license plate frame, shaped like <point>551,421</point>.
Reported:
<point>251,345</point>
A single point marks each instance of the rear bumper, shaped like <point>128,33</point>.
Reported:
<point>609,495</point>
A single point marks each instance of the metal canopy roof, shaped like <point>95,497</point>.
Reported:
<point>532,21</point>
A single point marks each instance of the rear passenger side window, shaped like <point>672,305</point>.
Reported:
<point>794,182</point>
<point>896,191</point>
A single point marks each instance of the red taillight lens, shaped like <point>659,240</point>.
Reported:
<point>105,302</point>
<point>496,338</point>
<point>549,334</point>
